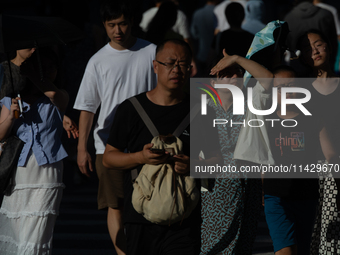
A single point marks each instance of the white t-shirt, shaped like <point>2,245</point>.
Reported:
<point>253,142</point>
<point>111,76</point>
<point>181,26</point>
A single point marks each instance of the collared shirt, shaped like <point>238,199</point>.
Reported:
<point>40,129</point>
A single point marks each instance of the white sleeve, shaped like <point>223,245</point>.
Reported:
<point>144,23</point>
<point>88,98</point>
<point>181,26</point>
<point>253,142</point>
<point>147,17</point>
<point>222,23</point>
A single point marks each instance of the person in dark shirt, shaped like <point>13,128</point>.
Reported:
<point>166,105</point>
<point>160,27</point>
<point>290,203</point>
<point>316,53</point>
<point>235,40</point>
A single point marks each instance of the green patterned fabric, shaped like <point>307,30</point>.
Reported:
<point>262,39</point>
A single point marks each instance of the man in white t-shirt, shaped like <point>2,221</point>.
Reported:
<point>121,69</point>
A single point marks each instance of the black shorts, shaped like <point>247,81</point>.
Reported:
<point>154,239</point>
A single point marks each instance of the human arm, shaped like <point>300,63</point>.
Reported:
<point>210,158</point>
<point>327,147</point>
<point>263,75</point>
<point>117,159</point>
<point>181,163</point>
<point>83,157</point>
<point>59,97</point>
<point>70,127</point>
<point>7,118</point>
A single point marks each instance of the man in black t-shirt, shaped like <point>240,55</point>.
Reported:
<point>166,105</point>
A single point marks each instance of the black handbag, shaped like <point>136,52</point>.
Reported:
<point>11,149</point>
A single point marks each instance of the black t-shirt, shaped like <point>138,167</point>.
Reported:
<point>129,133</point>
<point>327,107</point>
<point>235,42</point>
<point>294,146</point>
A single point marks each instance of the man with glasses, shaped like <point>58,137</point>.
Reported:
<point>121,69</point>
<point>166,105</point>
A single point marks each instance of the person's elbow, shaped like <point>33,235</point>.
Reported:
<point>332,158</point>
<point>110,156</point>
<point>59,98</point>
<point>106,161</point>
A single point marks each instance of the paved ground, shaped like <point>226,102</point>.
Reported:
<point>81,229</point>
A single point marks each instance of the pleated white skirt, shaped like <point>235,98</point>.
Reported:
<point>28,214</point>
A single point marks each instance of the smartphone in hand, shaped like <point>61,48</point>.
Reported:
<point>157,151</point>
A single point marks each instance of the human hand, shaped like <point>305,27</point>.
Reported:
<point>225,62</point>
<point>15,109</point>
<point>153,158</point>
<point>182,163</point>
<point>84,162</point>
<point>70,127</point>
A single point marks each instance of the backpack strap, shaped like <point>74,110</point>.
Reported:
<point>153,130</point>
<point>149,124</point>
<point>145,117</point>
<point>187,120</point>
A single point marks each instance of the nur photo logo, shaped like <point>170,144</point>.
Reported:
<point>204,97</point>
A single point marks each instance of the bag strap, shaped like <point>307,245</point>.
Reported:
<point>153,130</point>
<point>145,117</point>
<point>186,121</point>
<point>149,124</point>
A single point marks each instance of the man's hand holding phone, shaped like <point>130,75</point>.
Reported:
<point>153,156</point>
<point>157,151</point>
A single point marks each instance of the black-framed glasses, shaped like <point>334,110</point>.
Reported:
<point>318,47</point>
<point>171,66</point>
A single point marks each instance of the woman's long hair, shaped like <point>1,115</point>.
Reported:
<point>304,38</point>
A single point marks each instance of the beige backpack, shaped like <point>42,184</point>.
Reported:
<point>160,194</point>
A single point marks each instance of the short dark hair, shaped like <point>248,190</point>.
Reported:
<point>284,68</point>
<point>234,12</point>
<point>175,41</point>
<point>113,9</point>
